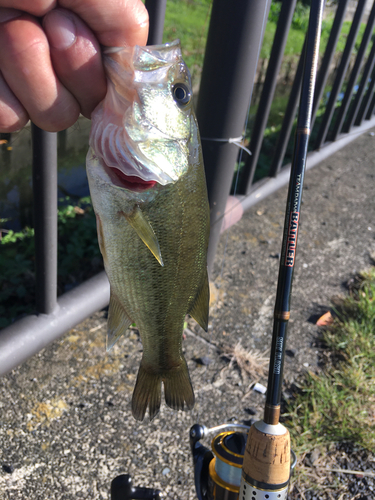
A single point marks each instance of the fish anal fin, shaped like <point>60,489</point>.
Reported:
<point>199,311</point>
<point>178,390</point>
<point>118,322</point>
<point>147,393</point>
<point>144,230</point>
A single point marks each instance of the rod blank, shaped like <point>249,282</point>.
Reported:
<point>292,215</point>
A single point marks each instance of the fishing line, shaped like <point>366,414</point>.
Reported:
<point>232,140</point>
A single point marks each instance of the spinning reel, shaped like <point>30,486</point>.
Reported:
<point>219,471</point>
<point>224,471</point>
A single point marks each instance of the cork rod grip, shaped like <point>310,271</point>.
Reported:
<point>267,457</point>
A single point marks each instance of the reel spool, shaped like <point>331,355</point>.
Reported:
<point>225,468</point>
<point>218,471</point>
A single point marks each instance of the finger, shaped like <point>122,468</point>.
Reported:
<point>35,7</point>
<point>76,58</point>
<point>26,66</point>
<point>13,115</point>
<point>116,23</point>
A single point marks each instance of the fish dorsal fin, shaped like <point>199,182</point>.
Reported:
<point>144,230</point>
<point>118,322</point>
<point>199,311</point>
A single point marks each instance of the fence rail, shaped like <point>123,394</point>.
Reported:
<point>232,51</point>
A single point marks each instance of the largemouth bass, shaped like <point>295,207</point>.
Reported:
<point>148,190</point>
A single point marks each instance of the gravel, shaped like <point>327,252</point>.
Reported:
<point>66,428</point>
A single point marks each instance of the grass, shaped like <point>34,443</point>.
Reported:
<point>338,406</point>
<point>188,20</point>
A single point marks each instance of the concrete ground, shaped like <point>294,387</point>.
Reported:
<point>66,428</point>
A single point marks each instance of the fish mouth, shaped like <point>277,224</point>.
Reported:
<point>129,182</point>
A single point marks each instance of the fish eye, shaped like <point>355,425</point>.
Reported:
<point>181,94</point>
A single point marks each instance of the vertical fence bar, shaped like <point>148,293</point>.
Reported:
<point>156,11</point>
<point>371,108</point>
<point>357,104</point>
<point>354,75</point>
<point>45,217</point>
<point>328,56</point>
<point>277,52</point>
<point>290,113</point>
<point>323,130</point>
<point>366,100</point>
<point>232,51</point>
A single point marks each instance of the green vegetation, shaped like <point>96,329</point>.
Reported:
<point>338,406</point>
<point>188,20</point>
<point>78,259</point>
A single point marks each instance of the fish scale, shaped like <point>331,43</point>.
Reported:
<point>152,218</point>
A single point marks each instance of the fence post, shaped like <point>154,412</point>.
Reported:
<point>156,12</point>
<point>328,56</point>
<point>268,91</point>
<point>339,122</point>
<point>232,51</point>
<point>366,100</point>
<point>366,81</point>
<point>45,217</point>
<point>341,72</point>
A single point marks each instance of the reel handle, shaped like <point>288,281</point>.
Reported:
<point>122,489</point>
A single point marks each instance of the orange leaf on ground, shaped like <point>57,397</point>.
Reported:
<point>325,320</point>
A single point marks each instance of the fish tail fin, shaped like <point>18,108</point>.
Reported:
<point>178,390</point>
<point>147,393</point>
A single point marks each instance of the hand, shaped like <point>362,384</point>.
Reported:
<point>50,61</point>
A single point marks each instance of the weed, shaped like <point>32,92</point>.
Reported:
<point>338,405</point>
<point>251,364</point>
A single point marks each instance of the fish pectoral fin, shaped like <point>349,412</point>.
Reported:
<point>99,230</point>
<point>144,230</point>
<point>118,322</point>
<point>199,311</point>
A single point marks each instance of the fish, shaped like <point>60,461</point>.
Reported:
<point>148,190</point>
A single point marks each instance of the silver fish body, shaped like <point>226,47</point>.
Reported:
<point>148,189</point>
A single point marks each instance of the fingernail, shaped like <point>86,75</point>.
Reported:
<point>60,30</point>
<point>8,14</point>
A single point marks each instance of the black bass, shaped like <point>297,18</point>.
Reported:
<point>148,190</point>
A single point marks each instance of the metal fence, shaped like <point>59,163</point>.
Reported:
<point>231,62</point>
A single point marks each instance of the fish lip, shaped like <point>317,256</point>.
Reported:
<point>129,182</point>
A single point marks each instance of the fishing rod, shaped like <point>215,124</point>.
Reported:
<point>255,463</point>
<point>266,464</point>
<point>266,459</point>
